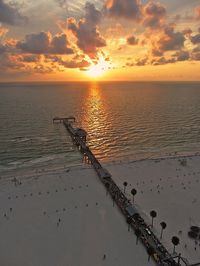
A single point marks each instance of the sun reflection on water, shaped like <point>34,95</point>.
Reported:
<point>96,120</point>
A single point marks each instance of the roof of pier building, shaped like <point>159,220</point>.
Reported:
<point>80,132</point>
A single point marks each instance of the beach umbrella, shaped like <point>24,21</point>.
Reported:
<point>175,242</point>
<point>153,215</point>
<point>133,192</point>
<point>125,185</point>
<point>163,226</point>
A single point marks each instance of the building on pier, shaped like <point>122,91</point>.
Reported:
<point>81,134</point>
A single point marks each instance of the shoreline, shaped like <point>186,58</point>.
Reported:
<point>40,168</point>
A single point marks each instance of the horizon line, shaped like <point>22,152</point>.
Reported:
<point>97,81</point>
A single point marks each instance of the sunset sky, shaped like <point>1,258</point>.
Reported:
<point>61,40</point>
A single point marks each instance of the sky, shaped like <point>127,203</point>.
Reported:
<point>63,40</point>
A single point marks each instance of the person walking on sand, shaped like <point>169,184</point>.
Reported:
<point>104,256</point>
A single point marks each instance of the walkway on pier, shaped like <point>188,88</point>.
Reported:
<point>153,245</point>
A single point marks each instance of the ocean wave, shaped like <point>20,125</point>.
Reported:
<point>19,139</point>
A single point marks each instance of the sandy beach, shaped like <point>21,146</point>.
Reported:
<point>64,217</point>
<point>172,190</point>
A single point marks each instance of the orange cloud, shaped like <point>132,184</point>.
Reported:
<point>3,31</point>
<point>197,12</point>
<point>154,14</point>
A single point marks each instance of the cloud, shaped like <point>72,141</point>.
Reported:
<point>8,46</point>
<point>154,14</point>
<point>187,32</point>
<point>128,9</point>
<point>30,58</point>
<point>63,3</point>
<point>141,61</point>
<point>74,63</point>
<point>2,49</point>
<point>10,62</point>
<point>167,39</point>
<point>10,15</point>
<point>132,40</point>
<point>182,55</point>
<point>89,39</point>
<point>195,39</point>
<point>196,56</point>
<point>44,43</point>
<point>162,61</point>
<point>3,31</point>
<point>197,12</point>
<point>179,56</point>
<point>60,45</point>
<point>35,43</point>
<point>92,15</point>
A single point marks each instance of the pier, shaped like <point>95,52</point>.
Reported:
<point>154,247</point>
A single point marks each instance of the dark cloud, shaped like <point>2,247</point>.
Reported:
<point>43,43</point>
<point>129,9</point>
<point>42,69</point>
<point>74,63</point>
<point>154,14</point>
<point>195,39</point>
<point>10,15</point>
<point>60,45</point>
<point>2,49</point>
<point>132,40</point>
<point>35,43</point>
<point>179,56</point>
<point>141,61</point>
<point>195,54</point>
<point>86,31</point>
<point>196,49</point>
<point>30,58</point>
<point>182,56</point>
<point>92,15</point>
<point>162,61</point>
<point>167,40</point>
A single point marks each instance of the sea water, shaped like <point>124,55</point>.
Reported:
<point>124,121</point>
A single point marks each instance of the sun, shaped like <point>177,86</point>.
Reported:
<point>97,70</point>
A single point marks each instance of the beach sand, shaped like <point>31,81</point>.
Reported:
<point>64,217</point>
<point>172,190</point>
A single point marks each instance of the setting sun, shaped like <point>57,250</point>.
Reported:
<point>97,70</point>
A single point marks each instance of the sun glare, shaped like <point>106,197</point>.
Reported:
<point>97,70</point>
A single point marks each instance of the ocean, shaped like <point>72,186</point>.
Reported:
<point>124,121</point>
